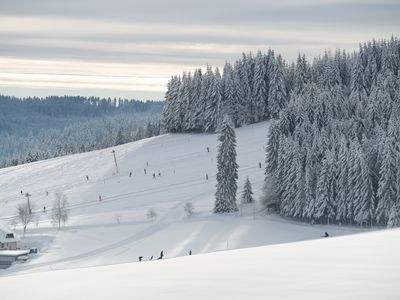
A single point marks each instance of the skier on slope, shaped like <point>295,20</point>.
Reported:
<point>161,255</point>
<point>326,234</point>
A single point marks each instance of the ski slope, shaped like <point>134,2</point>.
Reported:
<point>361,266</point>
<point>94,237</point>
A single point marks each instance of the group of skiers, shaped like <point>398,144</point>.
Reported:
<point>161,256</point>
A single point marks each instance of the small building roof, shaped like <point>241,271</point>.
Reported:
<point>13,252</point>
<point>4,230</point>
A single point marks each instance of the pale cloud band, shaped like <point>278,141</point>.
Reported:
<point>130,49</point>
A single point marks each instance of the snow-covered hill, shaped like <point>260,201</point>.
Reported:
<point>93,236</point>
<point>362,266</point>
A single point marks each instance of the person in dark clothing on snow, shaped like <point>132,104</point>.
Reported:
<point>154,175</point>
<point>151,258</point>
<point>140,258</point>
<point>159,174</point>
<point>206,176</point>
<point>22,192</point>
<point>130,174</point>
<point>87,178</point>
<point>259,164</point>
<point>144,170</point>
<point>161,255</point>
<point>44,209</point>
<point>208,149</point>
<point>190,252</point>
<point>326,234</point>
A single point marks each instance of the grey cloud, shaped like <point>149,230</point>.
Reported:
<point>212,11</point>
<point>187,33</point>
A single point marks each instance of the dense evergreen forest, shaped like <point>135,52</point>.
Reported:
<point>333,151</point>
<point>32,129</point>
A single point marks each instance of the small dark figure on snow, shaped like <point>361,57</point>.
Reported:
<point>47,193</point>
<point>326,234</point>
<point>259,164</point>
<point>208,149</point>
<point>130,174</point>
<point>99,198</point>
<point>151,258</point>
<point>154,175</point>
<point>206,176</point>
<point>161,255</point>
<point>144,170</point>
<point>140,258</point>
<point>44,209</point>
<point>190,252</point>
<point>87,178</point>
<point>159,174</point>
<point>22,192</point>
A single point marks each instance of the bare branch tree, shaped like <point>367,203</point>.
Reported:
<point>24,215</point>
<point>60,212</point>
<point>189,209</point>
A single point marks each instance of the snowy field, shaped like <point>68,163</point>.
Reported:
<point>94,237</point>
<point>362,266</point>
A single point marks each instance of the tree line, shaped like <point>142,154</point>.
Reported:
<point>33,129</point>
<point>333,149</point>
<point>251,90</point>
<point>334,153</point>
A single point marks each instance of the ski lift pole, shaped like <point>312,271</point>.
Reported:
<point>27,195</point>
<point>115,161</point>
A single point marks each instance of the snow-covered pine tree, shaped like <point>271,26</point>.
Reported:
<point>225,195</point>
<point>394,216</point>
<point>387,182</point>
<point>299,205</point>
<point>196,112</point>
<point>260,89</point>
<point>324,203</point>
<point>310,186</point>
<point>301,74</point>
<point>247,196</point>
<point>343,182</point>
<point>277,90</point>
<point>120,139</point>
<point>364,205</point>
<point>229,100</point>
<point>212,112</point>
<point>272,149</point>
<point>288,180</point>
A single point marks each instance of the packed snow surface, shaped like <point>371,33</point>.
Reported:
<point>361,266</point>
<point>115,229</point>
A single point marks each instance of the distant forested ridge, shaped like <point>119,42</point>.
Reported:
<point>333,152</point>
<point>32,129</point>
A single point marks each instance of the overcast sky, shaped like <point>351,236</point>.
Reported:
<point>129,48</point>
